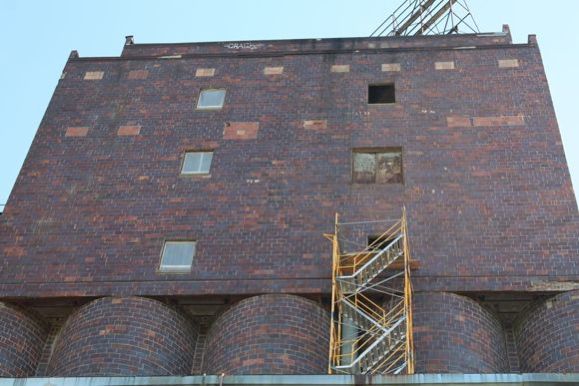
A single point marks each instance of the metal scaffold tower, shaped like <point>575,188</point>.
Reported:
<point>428,17</point>
<point>371,328</point>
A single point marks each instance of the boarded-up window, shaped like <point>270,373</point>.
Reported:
<point>377,166</point>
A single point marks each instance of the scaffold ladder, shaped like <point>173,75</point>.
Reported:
<point>371,328</point>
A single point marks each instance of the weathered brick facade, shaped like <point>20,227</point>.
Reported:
<point>485,179</point>
<point>482,174</point>
<point>269,334</point>
<point>124,337</point>
<point>548,335</point>
<point>454,334</point>
<point>22,337</point>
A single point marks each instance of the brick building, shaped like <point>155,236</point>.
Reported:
<point>169,217</point>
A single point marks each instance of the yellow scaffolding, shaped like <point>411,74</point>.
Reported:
<point>367,337</point>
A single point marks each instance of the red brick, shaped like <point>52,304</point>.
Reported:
<point>340,68</point>
<point>272,334</point>
<point>518,120</point>
<point>129,131</point>
<point>547,335</point>
<point>94,75</point>
<point>76,132</point>
<point>22,335</point>
<point>273,70</point>
<point>101,331</point>
<point>490,209</point>
<point>205,72</point>
<point>240,130</point>
<point>138,74</point>
<point>458,121</point>
<point>321,124</point>
<point>454,334</point>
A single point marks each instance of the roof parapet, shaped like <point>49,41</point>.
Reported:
<point>507,31</point>
<point>305,46</point>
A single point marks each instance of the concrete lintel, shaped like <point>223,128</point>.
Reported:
<point>303,380</point>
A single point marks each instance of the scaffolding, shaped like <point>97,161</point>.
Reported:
<point>428,17</point>
<point>371,327</point>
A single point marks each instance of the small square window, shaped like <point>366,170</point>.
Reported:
<point>198,162</point>
<point>381,94</point>
<point>377,166</point>
<point>177,255</point>
<point>211,99</point>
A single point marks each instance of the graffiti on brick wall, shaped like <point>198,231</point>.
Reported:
<point>243,46</point>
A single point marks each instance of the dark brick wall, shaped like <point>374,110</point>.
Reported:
<point>489,198</point>
<point>548,335</point>
<point>454,334</point>
<point>269,334</point>
<point>124,337</point>
<point>199,356</point>
<point>22,337</point>
<point>54,328</point>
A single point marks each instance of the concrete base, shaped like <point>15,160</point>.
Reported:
<point>305,380</point>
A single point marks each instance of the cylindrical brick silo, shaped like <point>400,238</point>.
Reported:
<point>548,335</point>
<point>455,334</point>
<point>269,334</point>
<point>124,337</point>
<point>22,337</point>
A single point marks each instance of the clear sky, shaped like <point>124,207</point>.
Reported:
<point>37,37</point>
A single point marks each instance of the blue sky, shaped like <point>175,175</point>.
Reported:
<point>37,37</point>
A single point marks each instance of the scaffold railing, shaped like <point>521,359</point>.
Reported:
<point>428,17</point>
<point>371,328</point>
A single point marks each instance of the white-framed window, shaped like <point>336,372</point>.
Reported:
<point>197,162</point>
<point>211,99</point>
<point>177,256</point>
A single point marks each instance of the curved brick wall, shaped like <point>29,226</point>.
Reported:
<point>124,337</point>
<point>22,337</point>
<point>269,334</point>
<point>548,335</point>
<point>454,334</point>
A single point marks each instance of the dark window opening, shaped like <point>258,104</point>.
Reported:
<point>381,94</point>
<point>377,166</point>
